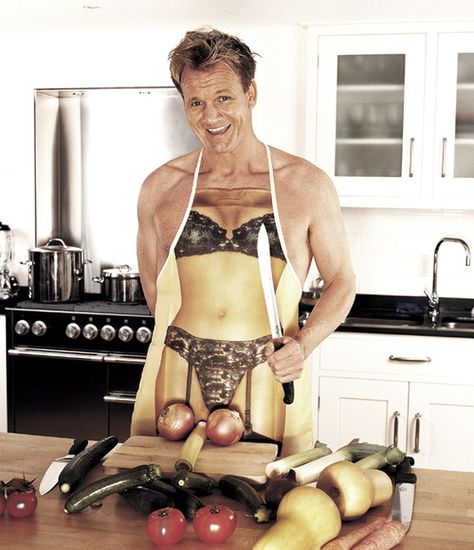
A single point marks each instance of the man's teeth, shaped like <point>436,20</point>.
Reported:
<point>218,130</point>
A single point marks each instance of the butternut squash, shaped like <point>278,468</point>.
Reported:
<point>353,489</point>
<point>306,518</point>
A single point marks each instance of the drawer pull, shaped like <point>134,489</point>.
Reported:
<point>416,448</point>
<point>401,358</point>
<point>396,414</point>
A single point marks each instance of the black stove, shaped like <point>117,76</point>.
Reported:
<point>73,369</point>
<point>94,325</point>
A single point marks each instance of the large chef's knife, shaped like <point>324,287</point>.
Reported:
<point>404,494</point>
<point>264,263</point>
<point>51,476</point>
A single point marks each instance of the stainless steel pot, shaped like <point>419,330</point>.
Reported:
<point>121,284</point>
<point>56,272</point>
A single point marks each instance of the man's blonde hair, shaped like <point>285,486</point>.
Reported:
<point>202,48</point>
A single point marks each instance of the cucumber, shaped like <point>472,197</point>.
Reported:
<point>75,471</point>
<point>97,490</point>
<point>146,499</point>
<point>201,484</point>
<point>238,489</point>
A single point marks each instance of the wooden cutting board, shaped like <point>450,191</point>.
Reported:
<point>244,459</point>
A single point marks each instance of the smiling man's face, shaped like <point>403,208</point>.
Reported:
<point>217,107</point>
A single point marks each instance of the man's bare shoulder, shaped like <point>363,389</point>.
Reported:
<point>172,173</point>
<point>300,176</point>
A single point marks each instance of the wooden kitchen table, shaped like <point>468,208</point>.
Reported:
<point>443,517</point>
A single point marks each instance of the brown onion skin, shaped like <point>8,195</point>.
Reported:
<point>224,427</point>
<point>175,421</point>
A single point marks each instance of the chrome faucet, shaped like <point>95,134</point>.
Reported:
<point>433,298</point>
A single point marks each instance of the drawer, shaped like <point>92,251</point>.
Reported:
<point>400,355</point>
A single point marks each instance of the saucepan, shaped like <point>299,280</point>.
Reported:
<point>121,284</point>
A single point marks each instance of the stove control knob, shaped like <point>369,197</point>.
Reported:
<point>73,331</point>
<point>38,328</point>
<point>90,331</point>
<point>125,333</point>
<point>107,333</point>
<point>22,327</point>
<point>143,335</point>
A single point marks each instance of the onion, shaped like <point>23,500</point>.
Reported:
<point>175,421</point>
<point>275,490</point>
<point>224,427</point>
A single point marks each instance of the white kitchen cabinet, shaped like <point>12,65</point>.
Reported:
<point>3,375</point>
<point>392,114</point>
<point>372,410</point>
<point>440,432</point>
<point>454,134</point>
<point>413,390</point>
<point>370,113</point>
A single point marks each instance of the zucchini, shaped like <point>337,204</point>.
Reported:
<point>238,489</point>
<point>75,471</point>
<point>97,490</point>
<point>201,484</point>
<point>146,499</point>
<point>184,500</point>
<point>188,503</point>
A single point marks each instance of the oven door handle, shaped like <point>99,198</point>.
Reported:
<point>124,359</point>
<point>119,398</point>
<point>76,356</point>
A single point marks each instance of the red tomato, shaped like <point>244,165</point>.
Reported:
<point>214,523</point>
<point>21,503</point>
<point>166,526</point>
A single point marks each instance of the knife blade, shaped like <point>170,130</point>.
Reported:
<point>265,266</point>
<point>51,476</point>
<point>404,493</point>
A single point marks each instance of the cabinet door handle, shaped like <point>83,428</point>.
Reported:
<point>404,359</point>
<point>410,164</point>
<point>443,157</point>
<point>416,448</point>
<point>396,414</point>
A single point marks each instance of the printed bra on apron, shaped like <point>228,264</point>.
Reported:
<point>208,372</point>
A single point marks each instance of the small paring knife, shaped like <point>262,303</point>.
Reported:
<point>265,266</point>
<point>51,476</point>
<point>404,493</point>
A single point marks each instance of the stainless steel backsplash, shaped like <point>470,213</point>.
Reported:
<point>93,149</point>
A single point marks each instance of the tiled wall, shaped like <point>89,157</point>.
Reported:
<point>392,251</point>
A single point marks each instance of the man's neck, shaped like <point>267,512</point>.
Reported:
<point>244,159</point>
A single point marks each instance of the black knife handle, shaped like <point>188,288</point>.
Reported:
<point>403,473</point>
<point>288,387</point>
<point>78,446</point>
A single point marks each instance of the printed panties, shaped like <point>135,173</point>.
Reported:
<point>219,364</point>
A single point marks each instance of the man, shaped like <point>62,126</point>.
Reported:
<point>199,216</point>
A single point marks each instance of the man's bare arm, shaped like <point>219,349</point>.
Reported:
<point>329,248</point>
<point>147,245</point>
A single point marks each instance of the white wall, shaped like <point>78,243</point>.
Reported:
<point>392,251</point>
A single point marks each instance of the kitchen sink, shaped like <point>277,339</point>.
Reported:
<point>458,323</point>
<point>384,321</point>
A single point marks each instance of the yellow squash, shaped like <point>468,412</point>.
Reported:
<point>307,518</point>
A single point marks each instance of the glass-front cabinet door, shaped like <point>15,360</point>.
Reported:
<point>454,135</point>
<point>370,113</point>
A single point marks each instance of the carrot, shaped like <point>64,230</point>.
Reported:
<point>347,541</point>
<point>384,538</point>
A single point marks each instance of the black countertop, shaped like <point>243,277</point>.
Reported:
<point>385,314</point>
